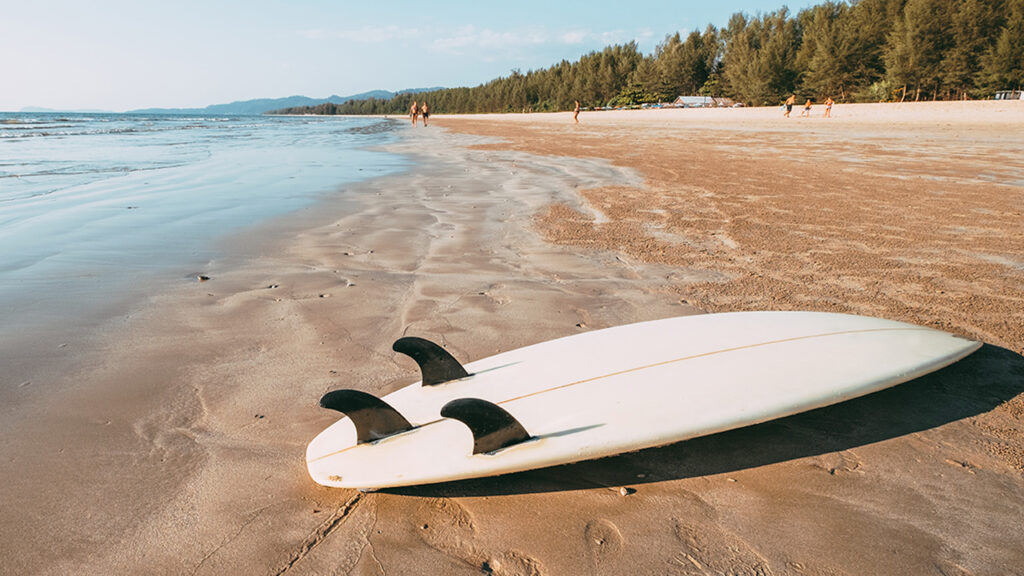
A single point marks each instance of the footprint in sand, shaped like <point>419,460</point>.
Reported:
<point>511,564</point>
<point>707,548</point>
<point>492,293</point>
<point>444,523</point>
<point>584,317</point>
<point>839,463</point>
<point>448,527</point>
<point>602,541</point>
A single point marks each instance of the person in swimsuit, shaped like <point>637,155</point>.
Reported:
<point>576,112</point>
<point>828,107</point>
<point>425,112</point>
<point>414,111</point>
<point>789,104</point>
<point>807,109</point>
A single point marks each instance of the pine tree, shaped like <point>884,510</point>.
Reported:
<point>1003,64</point>
<point>972,24</point>
<point>741,66</point>
<point>759,59</point>
<point>824,55</point>
<point>917,45</point>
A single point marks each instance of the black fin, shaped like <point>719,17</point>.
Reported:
<point>373,417</point>
<point>436,364</point>
<point>493,428</point>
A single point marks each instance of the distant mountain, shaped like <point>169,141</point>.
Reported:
<point>263,105</point>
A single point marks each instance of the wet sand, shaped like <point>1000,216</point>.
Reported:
<point>171,441</point>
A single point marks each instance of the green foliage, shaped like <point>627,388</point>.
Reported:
<point>759,63</point>
<point>1003,61</point>
<point>916,46</point>
<point>825,55</point>
<point>710,87</point>
<point>881,91</point>
<point>681,67</point>
<point>634,96</point>
<point>972,23</point>
<point>851,50</point>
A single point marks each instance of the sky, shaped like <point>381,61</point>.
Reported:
<point>126,54</point>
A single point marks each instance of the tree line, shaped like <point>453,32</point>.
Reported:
<point>852,51</point>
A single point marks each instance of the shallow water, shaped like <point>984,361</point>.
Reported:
<point>93,203</point>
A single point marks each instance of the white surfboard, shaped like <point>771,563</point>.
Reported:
<point>615,390</point>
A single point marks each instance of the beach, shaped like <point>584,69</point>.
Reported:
<point>170,439</point>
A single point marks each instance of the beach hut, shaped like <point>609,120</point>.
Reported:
<point>693,102</point>
<point>726,103</point>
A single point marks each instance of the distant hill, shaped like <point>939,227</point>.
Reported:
<point>264,105</point>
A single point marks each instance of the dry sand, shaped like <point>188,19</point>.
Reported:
<point>171,441</point>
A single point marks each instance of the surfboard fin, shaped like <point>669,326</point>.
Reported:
<point>374,418</point>
<point>492,426</point>
<point>436,365</point>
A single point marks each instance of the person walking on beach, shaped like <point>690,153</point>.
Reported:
<point>807,109</point>
<point>414,111</point>
<point>828,106</point>
<point>789,104</point>
<point>576,112</point>
<point>425,112</point>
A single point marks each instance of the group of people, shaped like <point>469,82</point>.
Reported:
<point>417,111</point>
<point>807,107</point>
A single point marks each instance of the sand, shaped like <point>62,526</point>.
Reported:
<point>171,440</point>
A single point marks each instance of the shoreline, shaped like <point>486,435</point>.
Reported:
<point>182,440</point>
<point>218,380</point>
<point>88,248</point>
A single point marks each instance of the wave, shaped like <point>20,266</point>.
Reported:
<point>382,126</point>
<point>64,126</point>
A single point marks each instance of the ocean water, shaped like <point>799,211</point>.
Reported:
<point>93,203</point>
